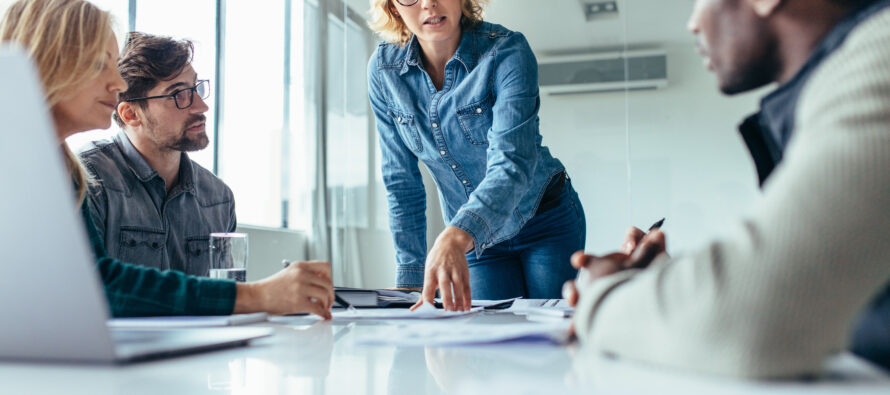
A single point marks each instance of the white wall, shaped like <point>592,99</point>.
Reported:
<point>267,247</point>
<point>688,162</point>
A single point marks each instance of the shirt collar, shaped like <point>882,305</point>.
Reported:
<point>144,172</point>
<point>779,107</point>
<point>466,53</point>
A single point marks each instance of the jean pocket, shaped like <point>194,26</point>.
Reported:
<point>143,246</point>
<point>475,120</point>
<point>407,129</point>
<point>197,255</point>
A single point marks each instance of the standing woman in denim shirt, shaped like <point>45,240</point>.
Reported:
<point>461,95</point>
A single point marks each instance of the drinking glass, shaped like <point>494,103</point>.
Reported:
<point>228,256</point>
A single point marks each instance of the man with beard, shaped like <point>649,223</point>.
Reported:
<point>782,290</point>
<point>152,204</point>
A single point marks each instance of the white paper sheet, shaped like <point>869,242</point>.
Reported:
<point>466,334</point>
<point>424,312</point>
<point>558,308</point>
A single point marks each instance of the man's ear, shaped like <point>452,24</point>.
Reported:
<point>128,112</point>
<point>765,8</point>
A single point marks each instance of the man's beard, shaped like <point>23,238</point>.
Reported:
<point>184,143</point>
<point>191,144</point>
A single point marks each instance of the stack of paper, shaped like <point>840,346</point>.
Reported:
<point>359,297</point>
<point>548,307</point>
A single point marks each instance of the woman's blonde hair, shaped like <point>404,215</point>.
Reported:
<point>66,39</point>
<point>392,29</point>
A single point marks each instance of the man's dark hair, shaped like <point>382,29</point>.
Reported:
<point>147,60</point>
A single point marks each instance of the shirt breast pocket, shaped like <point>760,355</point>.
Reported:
<point>407,130</point>
<point>475,120</point>
<point>143,247</point>
<point>197,248</point>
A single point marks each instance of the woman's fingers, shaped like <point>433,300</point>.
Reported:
<point>429,290</point>
<point>462,297</point>
<point>445,290</point>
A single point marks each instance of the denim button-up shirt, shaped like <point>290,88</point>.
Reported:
<point>143,224</point>
<point>478,136</point>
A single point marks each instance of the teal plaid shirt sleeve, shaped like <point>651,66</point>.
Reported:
<point>134,291</point>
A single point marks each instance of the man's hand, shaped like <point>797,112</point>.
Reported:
<point>300,288</point>
<point>634,237</point>
<point>446,269</point>
<point>639,252</point>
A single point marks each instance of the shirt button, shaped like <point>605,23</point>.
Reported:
<point>465,181</point>
<point>435,125</point>
<point>399,119</point>
<point>493,34</point>
<point>442,152</point>
<point>454,166</point>
<point>478,111</point>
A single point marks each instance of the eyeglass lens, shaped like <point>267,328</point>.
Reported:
<point>185,97</point>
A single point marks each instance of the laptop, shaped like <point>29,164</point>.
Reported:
<point>54,306</point>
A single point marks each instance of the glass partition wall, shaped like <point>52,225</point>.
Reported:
<point>638,121</point>
<point>625,104</point>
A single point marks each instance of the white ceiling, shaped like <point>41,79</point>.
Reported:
<point>559,25</point>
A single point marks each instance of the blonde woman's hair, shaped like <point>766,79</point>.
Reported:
<point>392,29</point>
<point>66,39</point>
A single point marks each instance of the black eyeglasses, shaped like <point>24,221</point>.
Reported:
<point>407,3</point>
<point>183,97</point>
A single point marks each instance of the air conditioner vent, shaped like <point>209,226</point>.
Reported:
<point>603,72</point>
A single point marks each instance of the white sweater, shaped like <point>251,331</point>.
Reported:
<point>780,293</point>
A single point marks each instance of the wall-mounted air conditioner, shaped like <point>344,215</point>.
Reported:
<point>603,72</point>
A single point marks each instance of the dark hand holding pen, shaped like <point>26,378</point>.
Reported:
<point>640,250</point>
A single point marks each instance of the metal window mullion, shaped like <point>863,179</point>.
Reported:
<point>131,15</point>
<point>218,81</point>
<point>285,122</point>
<point>322,111</point>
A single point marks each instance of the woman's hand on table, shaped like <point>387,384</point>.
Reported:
<point>446,270</point>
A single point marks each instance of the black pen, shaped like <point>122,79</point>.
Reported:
<point>656,225</point>
<point>343,303</point>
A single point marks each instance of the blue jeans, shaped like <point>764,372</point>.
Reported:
<point>534,263</point>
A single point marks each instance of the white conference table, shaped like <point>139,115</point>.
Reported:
<point>307,356</point>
